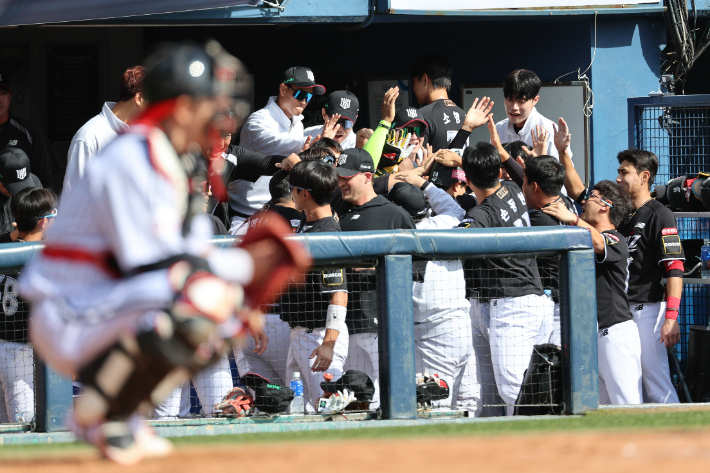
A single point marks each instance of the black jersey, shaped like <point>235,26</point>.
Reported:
<point>495,278</point>
<point>44,163</point>
<point>308,306</point>
<point>652,237</point>
<point>612,270</point>
<point>549,267</point>
<point>444,119</point>
<point>377,214</point>
<point>14,312</point>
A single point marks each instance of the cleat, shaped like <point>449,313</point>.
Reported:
<point>114,440</point>
<point>150,444</point>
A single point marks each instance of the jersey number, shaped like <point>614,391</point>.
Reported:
<point>9,297</point>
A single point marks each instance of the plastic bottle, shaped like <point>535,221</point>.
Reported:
<point>297,406</point>
<point>548,293</point>
<point>705,259</point>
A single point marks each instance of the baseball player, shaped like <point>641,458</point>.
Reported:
<point>656,251</point>
<point>510,289</point>
<point>346,105</point>
<point>127,293</point>
<point>319,334</point>
<point>605,207</point>
<point>442,327</point>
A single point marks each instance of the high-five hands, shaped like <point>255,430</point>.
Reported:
<point>478,114</point>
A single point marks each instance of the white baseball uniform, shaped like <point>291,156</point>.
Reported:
<point>620,364</point>
<point>272,363</point>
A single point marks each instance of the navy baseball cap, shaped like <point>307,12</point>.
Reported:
<point>15,171</point>
<point>303,77</point>
<point>354,161</point>
<point>445,177</point>
<point>344,103</point>
<point>409,116</point>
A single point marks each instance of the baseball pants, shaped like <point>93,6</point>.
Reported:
<point>620,364</point>
<point>303,342</point>
<point>550,329</point>
<point>657,385</point>
<point>445,348</point>
<point>211,385</point>
<point>272,363</point>
<point>514,329</point>
<point>364,355</point>
<point>17,382</point>
<point>482,389</point>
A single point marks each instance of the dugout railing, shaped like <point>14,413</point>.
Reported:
<point>393,253</point>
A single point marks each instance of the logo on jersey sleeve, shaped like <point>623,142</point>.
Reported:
<point>333,277</point>
<point>671,245</point>
<point>465,223</point>
<point>610,238</point>
<point>640,225</point>
<point>669,231</point>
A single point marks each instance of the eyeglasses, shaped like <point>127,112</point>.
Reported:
<point>301,95</point>
<point>329,160</point>
<point>345,123</point>
<point>591,194</point>
<point>290,187</point>
<point>52,215</point>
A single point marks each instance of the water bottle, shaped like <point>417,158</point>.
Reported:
<point>705,260</point>
<point>548,294</point>
<point>297,388</point>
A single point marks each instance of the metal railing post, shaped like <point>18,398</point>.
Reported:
<point>54,398</point>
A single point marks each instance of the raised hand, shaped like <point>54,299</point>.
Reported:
<point>539,137</point>
<point>559,211</point>
<point>562,136</point>
<point>478,114</point>
<point>329,127</point>
<point>388,104</point>
<point>362,136</point>
<point>448,158</point>
<point>410,177</point>
<point>495,139</point>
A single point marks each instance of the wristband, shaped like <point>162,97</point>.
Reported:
<point>384,124</point>
<point>335,317</point>
<point>672,306</point>
<point>576,221</point>
<point>425,185</point>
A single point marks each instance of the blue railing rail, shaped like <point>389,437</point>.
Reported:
<point>394,250</point>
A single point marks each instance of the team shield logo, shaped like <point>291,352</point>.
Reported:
<point>345,103</point>
<point>412,113</point>
<point>310,76</point>
<point>22,173</point>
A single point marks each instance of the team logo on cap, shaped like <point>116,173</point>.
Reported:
<point>345,103</point>
<point>342,159</point>
<point>412,112</point>
<point>310,75</point>
<point>22,173</point>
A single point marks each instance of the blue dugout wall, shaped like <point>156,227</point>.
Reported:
<point>394,251</point>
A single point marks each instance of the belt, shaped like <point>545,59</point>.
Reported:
<point>103,260</point>
<point>234,213</point>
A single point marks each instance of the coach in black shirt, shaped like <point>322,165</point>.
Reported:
<point>510,289</point>
<point>369,212</point>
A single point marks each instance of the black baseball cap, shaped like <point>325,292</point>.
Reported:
<point>354,161</point>
<point>268,397</point>
<point>4,84</point>
<point>15,171</point>
<point>445,177</point>
<point>409,116</point>
<point>303,77</point>
<point>409,197</point>
<point>344,103</point>
<point>354,381</point>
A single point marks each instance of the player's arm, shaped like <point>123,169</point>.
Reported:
<point>476,116</point>
<point>376,142</point>
<point>335,318</point>
<point>669,252</point>
<point>573,183</point>
<point>563,214</point>
<point>263,137</point>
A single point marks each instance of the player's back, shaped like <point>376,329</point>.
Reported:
<point>444,118</point>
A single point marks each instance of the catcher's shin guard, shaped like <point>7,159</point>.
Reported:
<point>139,371</point>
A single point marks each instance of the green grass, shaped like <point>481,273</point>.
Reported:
<point>594,421</point>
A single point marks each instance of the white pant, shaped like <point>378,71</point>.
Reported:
<point>550,329</point>
<point>483,392</point>
<point>649,318</point>
<point>445,348</point>
<point>210,384</point>
<point>364,355</point>
<point>620,364</point>
<point>303,342</point>
<point>515,325</point>
<point>16,382</point>
<point>272,363</point>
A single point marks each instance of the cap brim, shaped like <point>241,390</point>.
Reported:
<point>315,88</point>
<point>345,172</point>
<point>342,113</point>
<point>411,121</point>
<point>6,87</point>
<point>16,187</point>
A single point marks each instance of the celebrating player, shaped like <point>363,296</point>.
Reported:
<point>127,292</point>
<point>656,251</point>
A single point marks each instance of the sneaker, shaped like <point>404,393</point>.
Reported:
<point>150,443</point>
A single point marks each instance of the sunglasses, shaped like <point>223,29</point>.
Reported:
<point>591,194</point>
<point>329,160</point>
<point>52,215</point>
<point>302,95</point>
<point>416,130</point>
<point>290,187</point>
<point>345,123</point>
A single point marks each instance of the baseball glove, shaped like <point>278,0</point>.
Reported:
<point>235,402</point>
